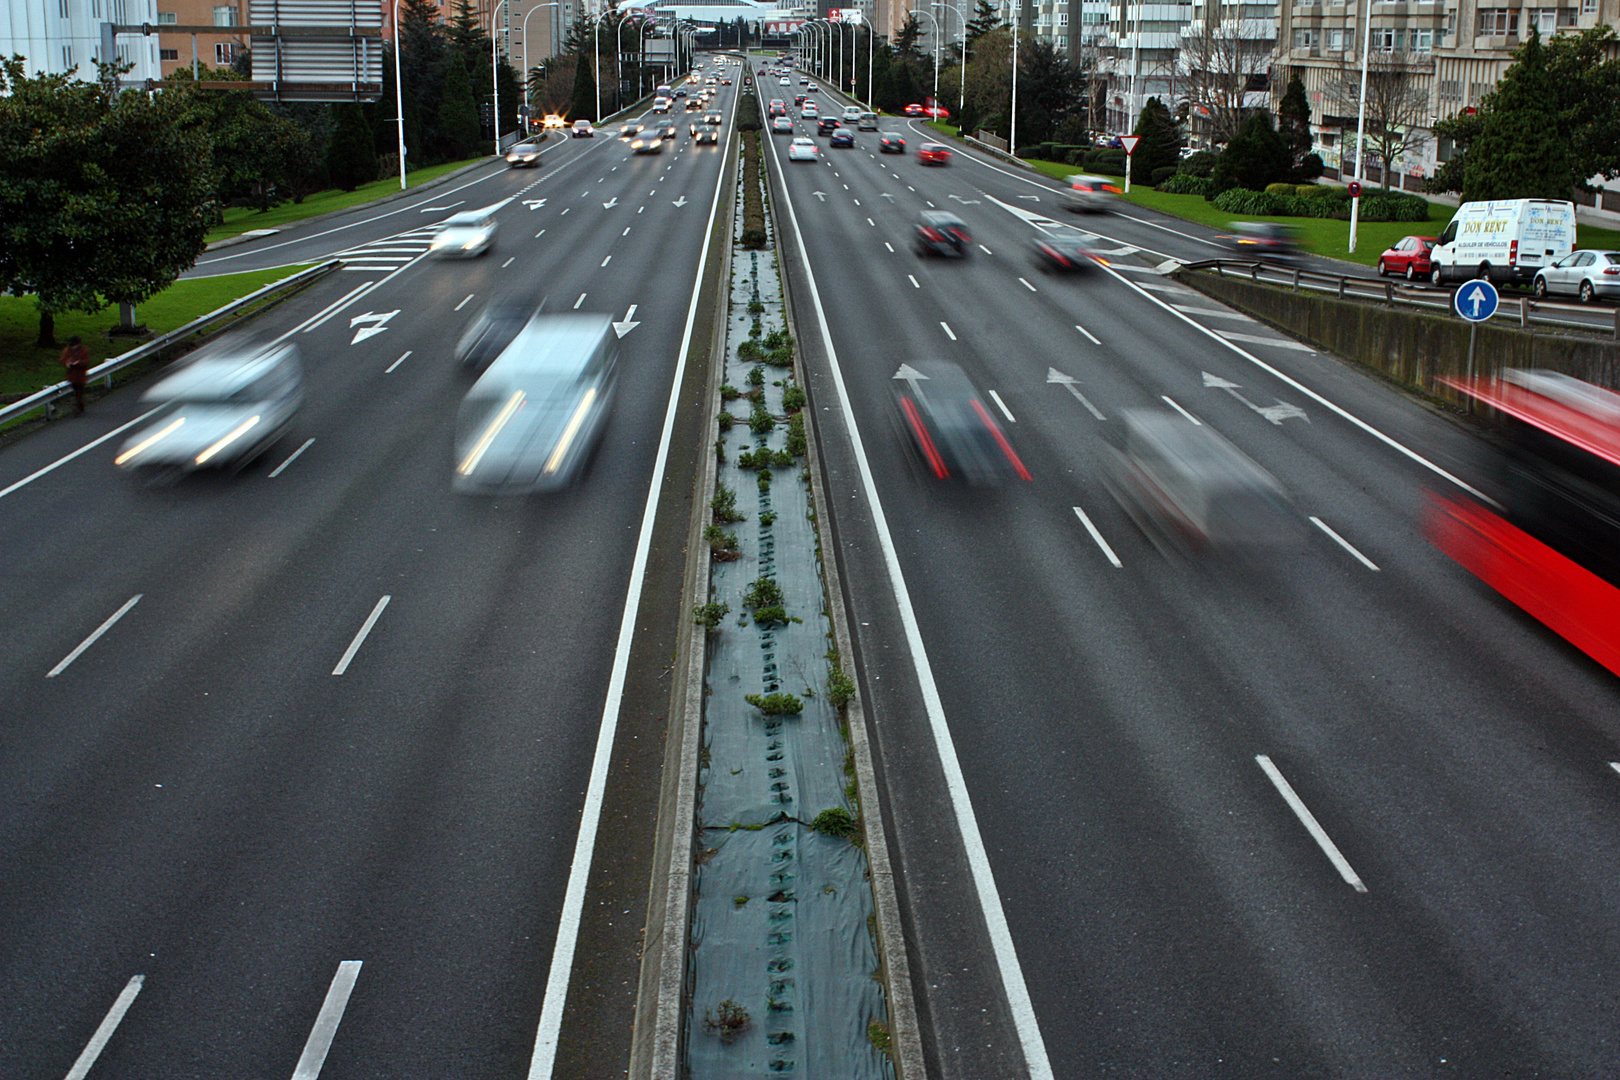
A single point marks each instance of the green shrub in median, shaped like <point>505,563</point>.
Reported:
<point>1183,183</point>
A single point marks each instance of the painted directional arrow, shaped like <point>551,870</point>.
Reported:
<point>964,202</point>
<point>1037,198</point>
<point>1275,413</point>
<point>534,204</point>
<point>913,376</point>
<point>886,195</point>
<point>680,201</point>
<point>623,328</point>
<point>435,209</point>
<point>611,203</point>
<point>1053,375</point>
<point>376,319</point>
<point>822,195</point>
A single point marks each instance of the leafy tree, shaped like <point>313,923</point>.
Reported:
<point>1255,158</point>
<point>257,154</point>
<point>1049,85</point>
<point>1294,122</point>
<point>351,160</point>
<point>986,17</point>
<point>1462,130</point>
<point>424,52</point>
<point>105,196</point>
<point>1520,151</point>
<point>1161,140</point>
<point>987,83</point>
<point>457,121</point>
<point>1584,75</point>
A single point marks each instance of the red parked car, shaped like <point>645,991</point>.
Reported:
<point>933,153</point>
<point>1409,256</point>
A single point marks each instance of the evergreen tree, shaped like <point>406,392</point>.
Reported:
<point>905,39</point>
<point>423,52</point>
<point>1255,158</point>
<point>457,121</point>
<point>1520,152</point>
<point>1294,122</point>
<point>1048,86</point>
<point>351,159</point>
<point>1161,140</point>
<point>583,101</point>
<point>986,18</point>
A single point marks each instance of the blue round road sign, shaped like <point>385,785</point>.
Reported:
<point>1477,300</point>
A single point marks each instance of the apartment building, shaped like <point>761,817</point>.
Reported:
<point>1139,56</point>
<point>218,49</point>
<point>64,36</point>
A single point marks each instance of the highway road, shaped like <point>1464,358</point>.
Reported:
<point>296,759</point>
<point>1337,811</point>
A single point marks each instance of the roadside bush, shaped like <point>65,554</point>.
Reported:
<point>1198,163</point>
<point>1186,184</point>
<point>1394,208</point>
<point>1076,156</point>
<point>1252,203</point>
<point>1280,189</point>
<point>1106,162</point>
<point>1318,191</point>
<point>1161,174</point>
<point>748,113</point>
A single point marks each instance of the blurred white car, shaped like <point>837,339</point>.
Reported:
<point>220,411</point>
<point>464,236</point>
<point>802,149</point>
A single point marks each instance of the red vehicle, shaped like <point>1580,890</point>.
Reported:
<point>933,153</point>
<point>1409,256</point>
<point>915,110</point>
<point>1552,545</point>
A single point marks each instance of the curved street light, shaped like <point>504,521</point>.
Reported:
<point>525,36</point>
<point>494,72</point>
<point>399,98</point>
<point>932,114</point>
<point>961,81</point>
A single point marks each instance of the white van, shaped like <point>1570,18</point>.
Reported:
<point>852,114</point>
<point>1504,241</point>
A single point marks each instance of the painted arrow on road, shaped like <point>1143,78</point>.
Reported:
<point>1037,198</point>
<point>1053,375</point>
<point>611,203</point>
<point>534,204</point>
<point>886,195</point>
<point>376,319</point>
<point>1275,413</point>
<point>436,209</point>
<point>627,325</point>
<point>964,202</point>
<point>680,201</point>
<point>909,374</point>
<point>822,195</point>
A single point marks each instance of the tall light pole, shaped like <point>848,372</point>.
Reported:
<point>962,70</point>
<point>494,73</point>
<point>596,37</point>
<point>618,67</point>
<point>1136,54</point>
<point>399,97</point>
<point>1012,129</point>
<point>525,35</point>
<point>1361,126</point>
<point>935,104</point>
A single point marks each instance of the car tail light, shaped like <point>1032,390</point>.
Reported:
<point>1513,253</point>
<point>1611,270</point>
<point>1111,188</point>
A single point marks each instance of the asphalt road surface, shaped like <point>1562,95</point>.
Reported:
<point>296,759</point>
<point>1339,811</point>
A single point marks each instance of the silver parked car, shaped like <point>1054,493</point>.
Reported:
<point>1587,274</point>
<point>222,411</point>
<point>465,236</point>
<point>531,422</point>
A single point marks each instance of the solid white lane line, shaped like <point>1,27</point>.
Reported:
<point>947,328</point>
<point>889,246</point>
<point>1088,334</point>
<point>607,260</point>
<point>562,953</point>
<point>1342,542</point>
<point>104,1030</point>
<point>1312,826</point>
<point>507,263</point>
<point>1615,765</point>
<point>1014,990</point>
<point>1098,537</point>
<point>465,302</point>
<point>1027,285</point>
<point>360,638</point>
<point>565,210</point>
<point>308,443</point>
<point>326,313</point>
<point>65,458</point>
<point>914,284</point>
<point>580,301</point>
<point>93,638</point>
<point>389,370</point>
<point>539,234</point>
<point>986,250</point>
<point>326,1021</point>
<point>1168,401</point>
<point>1002,405</point>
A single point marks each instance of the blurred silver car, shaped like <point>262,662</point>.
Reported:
<point>532,420</point>
<point>223,410</point>
<point>524,155</point>
<point>491,332</point>
<point>1090,194</point>
<point>464,236</point>
<point>1189,489</point>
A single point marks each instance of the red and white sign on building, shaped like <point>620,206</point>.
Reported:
<point>846,15</point>
<point>781,27</point>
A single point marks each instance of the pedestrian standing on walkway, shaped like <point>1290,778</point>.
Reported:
<point>76,358</point>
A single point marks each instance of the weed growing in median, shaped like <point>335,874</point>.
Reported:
<point>722,545</point>
<point>760,421</point>
<point>767,518</point>
<point>709,615</point>
<point>877,1035</point>
<point>750,350</point>
<point>764,481</point>
<point>796,444</point>
<point>764,592</point>
<point>756,376</point>
<point>764,458</point>
<point>729,392</point>
<point>793,398</point>
<point>726,420</point>
<point>840,688</point>
<point>724,505</point>
<point>838,822</point>
<point>776,704</point>
<point>729,1019</point>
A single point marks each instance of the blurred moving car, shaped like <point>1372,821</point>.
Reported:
<point>949,428</point>
<point>630,131</point>
<point>827,124</point>
<point>940,232</point>
<point>777,107</point>
<point>554,122</point>
<point>1090,194</point>
<point>464,236</point>
<point>525,155</point>
<point>809,110</point>
<point>798,101</point>
<point>491,331</point>
<point>668,132</point>
<point>1409,256</point>
<point>842,138</point>
<point>867,122</point>
<point>218,411</point>
<point>713,119</point>
<point>1066,252</point>
<point>661,105</point>
<point>583,129</point>
<point>802,149</point>
<point>693,104</point>
<point>782,125</point>
<point>890,143</point>
<point>650,142</point>
<point>532,420</point>
<point>702,135</point>
<point>933,153</point>
<point>1266,241</point>
<point>914,110</point>
<point>1189,489</point>
<point>1587,274</point>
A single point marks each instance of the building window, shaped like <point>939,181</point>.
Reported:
<point>1420,40</point>
<point>1063,18</point>
<point>168,54</point>
<point>225,16</point>
<point>1450,90</point>
<point>167,18</point>
<point>1385,39</point>
<point>1545,21</point>
<point>1335,40</point>
<point>67,58</point>
<point>1477,91</point>
<point>1588,6</point>
<point>224,54</point>
<point>1567,16</point>
<point>1495,22</point>
<point>1306,39</point>
<point>62,8</point>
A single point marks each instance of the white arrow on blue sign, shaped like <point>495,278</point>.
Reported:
<point>1477,300</point>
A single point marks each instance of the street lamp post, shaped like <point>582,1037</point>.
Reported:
<point>618,85</point>
<point>525,35</point>
<point>935,104</point>
<point>962,70</point>
<point>494,73</point>
<point>1012,129</point>
<point>399,97</point>
<point>1361,127</point>
<point>596,37</point>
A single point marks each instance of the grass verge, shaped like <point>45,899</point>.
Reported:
<point>25,368</point>
<point>240,219</point>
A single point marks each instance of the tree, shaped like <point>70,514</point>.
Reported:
<point>987,83</point>
<point>1294,122</point>
<point>1049,85</point>
<point>105,196</point>
<point>986,17</point>
<point>1461,130</point>
<point>257,154</point>
<point>1219,65</point>
<point>1255,158</point>
<point>905,39</point>
<point>1520,153</point>
<point>1584,76</point>
<point>424,52</point>
<point>1160,147</point>
<point>457,121</point>
<point>351,160</point>
<point>1397,105</point>
<point>583,101</point>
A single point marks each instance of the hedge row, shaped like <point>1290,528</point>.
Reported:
<point>1330,203</point>
<point>753,234</point>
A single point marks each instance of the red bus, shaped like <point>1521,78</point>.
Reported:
<point>1553,546</point>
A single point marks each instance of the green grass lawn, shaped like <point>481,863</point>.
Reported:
<point>240,219</point>
<point>25,368</point>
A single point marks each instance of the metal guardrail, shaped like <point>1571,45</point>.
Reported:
<point>46,398</point>
<point>1523,312</point>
